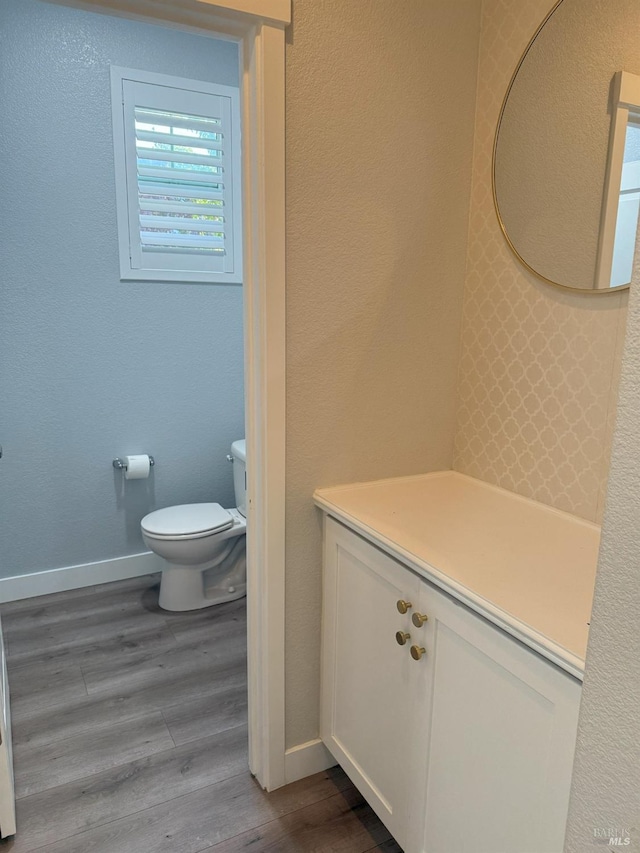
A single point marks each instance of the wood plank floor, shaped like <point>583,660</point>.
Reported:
<point>130,736</point>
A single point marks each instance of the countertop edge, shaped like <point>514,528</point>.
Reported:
<point>527,635</point>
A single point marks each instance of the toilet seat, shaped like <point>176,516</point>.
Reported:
<point>187,521</point>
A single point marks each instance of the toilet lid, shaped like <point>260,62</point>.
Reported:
<point>187,519</point>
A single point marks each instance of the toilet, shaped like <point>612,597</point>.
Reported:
<point>204,546</point>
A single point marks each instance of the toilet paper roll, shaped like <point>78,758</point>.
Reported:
<point>138,467</point>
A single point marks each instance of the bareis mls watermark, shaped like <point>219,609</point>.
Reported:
<point>612,837</point>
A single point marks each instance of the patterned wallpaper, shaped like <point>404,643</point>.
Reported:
<point>539,366</point>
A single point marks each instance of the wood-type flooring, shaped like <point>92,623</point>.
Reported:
<point>130,735</point>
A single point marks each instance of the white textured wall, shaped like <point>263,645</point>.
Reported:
<point>380,105</point>
<point>605,791</point>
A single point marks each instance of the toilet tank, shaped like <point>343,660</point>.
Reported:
<point>239,453</point>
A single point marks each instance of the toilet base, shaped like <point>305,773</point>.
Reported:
<point>182,588</point>
<point>194,587</point>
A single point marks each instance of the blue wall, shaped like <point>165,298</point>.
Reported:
<point>91,367</point>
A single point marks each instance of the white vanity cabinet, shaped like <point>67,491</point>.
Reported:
<point>465,747</point>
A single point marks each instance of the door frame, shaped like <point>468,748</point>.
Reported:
<point>257,26</point>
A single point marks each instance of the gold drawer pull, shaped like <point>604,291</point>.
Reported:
<point>403,606</point>
<point>417,652</point>
<point>419,619</point>
<point>401,637</point>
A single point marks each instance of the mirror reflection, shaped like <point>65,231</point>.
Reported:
<point>567,155</point>
<point>626,186</point>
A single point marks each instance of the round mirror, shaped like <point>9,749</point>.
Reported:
<point>566,160</point>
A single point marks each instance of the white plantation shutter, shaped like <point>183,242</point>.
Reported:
<point>179,193</point>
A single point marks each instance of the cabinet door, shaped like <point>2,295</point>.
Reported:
<point>499,751</point>
<point>367,679</point>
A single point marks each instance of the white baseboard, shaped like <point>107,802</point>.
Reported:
<point>74,577</point>
<point>306,759</point>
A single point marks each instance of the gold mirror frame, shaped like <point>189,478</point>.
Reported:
<point>496,207</point>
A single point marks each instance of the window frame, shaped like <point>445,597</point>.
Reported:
<point>126,184</point>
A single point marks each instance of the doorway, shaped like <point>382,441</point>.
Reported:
<point>260,43</point>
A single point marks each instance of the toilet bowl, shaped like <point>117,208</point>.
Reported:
<point>204,546</point>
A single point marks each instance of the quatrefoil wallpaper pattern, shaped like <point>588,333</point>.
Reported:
<point>539,366</point>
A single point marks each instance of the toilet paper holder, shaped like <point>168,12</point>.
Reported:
<point>121,465</point>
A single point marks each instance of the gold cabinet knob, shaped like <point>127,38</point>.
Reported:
<point>403,606</point>
<point>417,652</point>
<point>401,637</point>
<point>419,619</point>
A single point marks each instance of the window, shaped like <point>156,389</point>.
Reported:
<point>628,207</point>
<point>177,161</point>
<point>621,203</point>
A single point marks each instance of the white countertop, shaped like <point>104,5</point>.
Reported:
<point>523,565</point>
